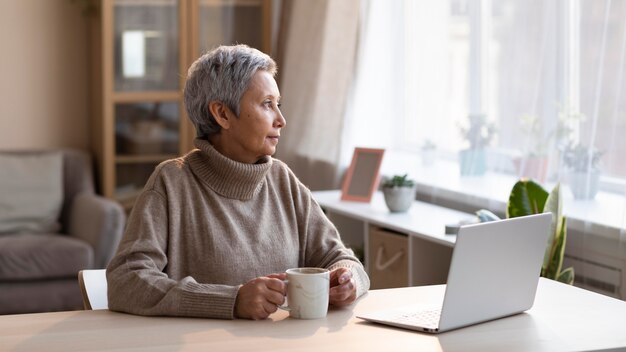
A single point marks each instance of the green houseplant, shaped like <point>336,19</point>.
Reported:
<point>582,170</point>
<point>528,197</point>
<point>399,192</point>
<point>478,134</point>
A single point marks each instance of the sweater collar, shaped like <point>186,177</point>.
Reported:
<point>225,176</point>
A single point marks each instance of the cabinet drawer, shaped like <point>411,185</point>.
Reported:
<point>388,256</point>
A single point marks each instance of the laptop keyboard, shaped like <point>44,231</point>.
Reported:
<point>424,318</point>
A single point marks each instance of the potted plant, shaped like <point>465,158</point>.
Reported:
<point>534,162</point>
<point>428,151</point>
<point>528,197</point>
<point>582,170</point>
<point>399,192</point>
<point>478,134</point>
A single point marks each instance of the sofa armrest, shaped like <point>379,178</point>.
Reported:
<point>98,221</point>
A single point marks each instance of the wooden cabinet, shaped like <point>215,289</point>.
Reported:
<point>388,252</point>
<point>141,50</point>
<point>398,249</point>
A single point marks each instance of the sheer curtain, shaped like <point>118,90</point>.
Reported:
<point>544,81</point>
<point>374,104</point>
<point>316,68</point>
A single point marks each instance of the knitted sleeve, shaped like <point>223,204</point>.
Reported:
<point>325,248</point>
<point>358,273</point>
<point>136,279</point>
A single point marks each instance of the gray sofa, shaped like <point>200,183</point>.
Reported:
<point>38,271</point>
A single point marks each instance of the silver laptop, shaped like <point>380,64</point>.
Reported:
<point>494,273</point>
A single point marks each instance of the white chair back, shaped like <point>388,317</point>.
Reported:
<point>93,287</point>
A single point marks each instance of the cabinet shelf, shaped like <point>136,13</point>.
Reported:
<point>222,3</point>
<point>139,159</point>
<point>154,96</point>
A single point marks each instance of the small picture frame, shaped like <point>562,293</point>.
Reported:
<point>362,177</point>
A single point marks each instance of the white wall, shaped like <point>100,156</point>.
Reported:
<point>43,75</point>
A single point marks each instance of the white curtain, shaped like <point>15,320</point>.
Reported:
<point>373,105</point>
<point>316,66</point>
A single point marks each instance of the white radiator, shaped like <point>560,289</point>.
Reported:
<point>598,277</point>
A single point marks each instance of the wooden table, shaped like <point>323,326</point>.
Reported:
<point>564,318</point>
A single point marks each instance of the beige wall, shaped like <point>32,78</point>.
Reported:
<point>43,75</point>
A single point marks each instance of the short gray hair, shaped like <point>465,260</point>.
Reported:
<point>222,74</point>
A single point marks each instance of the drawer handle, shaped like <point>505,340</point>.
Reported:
<point>388,263</point>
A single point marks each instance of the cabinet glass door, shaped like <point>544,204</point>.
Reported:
<point>146,45</point>
<point>146,128</point>
<point>146,99</point>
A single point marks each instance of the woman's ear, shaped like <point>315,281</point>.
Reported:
<point>221,113</point>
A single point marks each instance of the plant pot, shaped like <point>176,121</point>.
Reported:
<point>584,185</point>
<point>473,162</point>
<point>428,157</point>
<point>399,199</point>
<point>533,167</point>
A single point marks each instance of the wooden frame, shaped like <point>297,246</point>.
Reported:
<point>362,177</point>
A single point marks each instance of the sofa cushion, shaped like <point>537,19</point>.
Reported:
<point>19,297</point>
<point>36,256</point>
<point>31,192</point>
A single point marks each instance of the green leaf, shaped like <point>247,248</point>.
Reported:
<point>527,197</point>
<point>398,181</point>
<point>485,215</point>
<point>557,250</point>
<point>554,204</point>
<point>566,276</point>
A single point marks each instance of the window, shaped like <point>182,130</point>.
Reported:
<point>547,73</point>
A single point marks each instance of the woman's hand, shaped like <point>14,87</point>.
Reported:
<point>342,287</point>
<point>259,297</point>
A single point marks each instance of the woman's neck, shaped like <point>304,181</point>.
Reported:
<point>219,143</point>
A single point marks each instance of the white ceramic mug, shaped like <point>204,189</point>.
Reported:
<point>307,293</point>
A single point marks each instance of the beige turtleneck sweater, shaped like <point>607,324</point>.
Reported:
<point>205,224</point>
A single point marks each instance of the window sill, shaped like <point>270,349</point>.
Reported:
<point>605,215</point>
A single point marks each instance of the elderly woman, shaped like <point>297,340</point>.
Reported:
<point>213,232</point>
